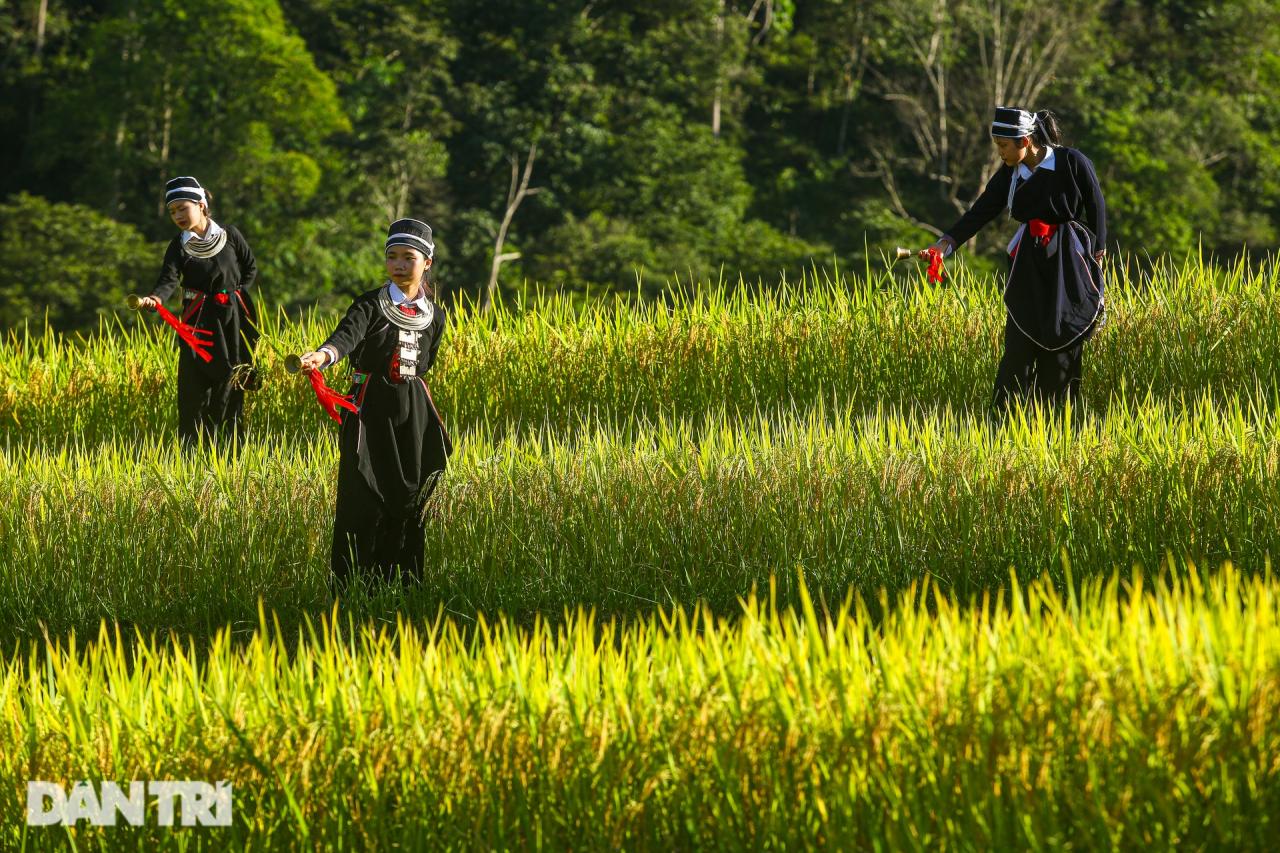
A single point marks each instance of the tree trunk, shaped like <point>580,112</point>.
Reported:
<point>42,15</point>
<point>517,193</point>
<point>715,98</point>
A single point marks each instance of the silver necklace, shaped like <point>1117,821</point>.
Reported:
<point>398,318</point>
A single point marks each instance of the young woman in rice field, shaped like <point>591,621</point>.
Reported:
<point>1054,292</point>
<point>216,268</point>
<point>394,447</point>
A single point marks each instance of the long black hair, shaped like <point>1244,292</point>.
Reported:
<point>1047,131</point>
<point>429,281</point>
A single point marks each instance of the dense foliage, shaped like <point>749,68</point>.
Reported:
<point>661,138</point>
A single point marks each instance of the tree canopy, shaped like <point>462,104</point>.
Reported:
<point>653,138</point>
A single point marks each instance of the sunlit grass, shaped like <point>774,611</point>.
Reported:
<point>578,668</point>
<point>1187,329</point>
<point>629,516</point>
<point>1115,717</point>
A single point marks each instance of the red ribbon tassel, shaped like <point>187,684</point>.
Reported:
<point>935,266</point>
<point>189,333</point>
<point>330,399</point>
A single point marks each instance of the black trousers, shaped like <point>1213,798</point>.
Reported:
<point>208,409</point>
<point>1030,373</point>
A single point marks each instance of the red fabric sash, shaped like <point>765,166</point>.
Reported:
<point>188,333</point>
<point>330,399</point>
<point>935,266</point>
<point>1042,231</point>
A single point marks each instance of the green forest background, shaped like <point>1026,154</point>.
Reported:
<point>642,140</point>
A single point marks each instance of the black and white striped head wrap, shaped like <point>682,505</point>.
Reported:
<point>184,189</point>
<point>1013,123</point>
<point>412,233</point>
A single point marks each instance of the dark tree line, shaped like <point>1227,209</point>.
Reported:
<point>589,145</point>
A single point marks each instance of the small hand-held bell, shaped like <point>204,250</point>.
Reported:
<point>134,301</point>
<point>901,254</point>
<point>293,363</point>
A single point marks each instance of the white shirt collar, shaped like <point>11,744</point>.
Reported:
<point>398,297</point>
<point>1047,163</point>
<point>210,233</point>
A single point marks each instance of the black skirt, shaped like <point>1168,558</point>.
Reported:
<point>1054,292</point>
<point>392,455</point>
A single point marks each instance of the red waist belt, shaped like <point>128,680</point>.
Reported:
<point>1042,232</point>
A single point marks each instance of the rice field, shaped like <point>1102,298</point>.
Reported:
<point>746,569</point>
<point>864,343</point>
<point>633,517</point>
<point>1116,718</point>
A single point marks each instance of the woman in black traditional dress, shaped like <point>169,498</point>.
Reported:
<point>216,268</point>
<point>395,448</point>
<point>1054,292</point>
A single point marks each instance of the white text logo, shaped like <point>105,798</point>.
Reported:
<point>193,803</point>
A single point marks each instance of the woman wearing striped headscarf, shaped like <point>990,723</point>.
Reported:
<point>216,268</point>
<point>1054,292</point>
<point>394,447</point>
